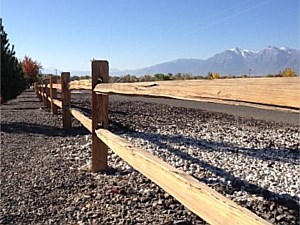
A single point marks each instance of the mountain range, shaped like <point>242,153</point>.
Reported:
<point>235,61</point>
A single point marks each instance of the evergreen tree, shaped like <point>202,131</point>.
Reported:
<point>12,79</point>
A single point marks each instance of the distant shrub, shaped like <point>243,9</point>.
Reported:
<point>213,75</point>
<point>270,75</point>
<point>278,75</point>
<point>159,76</point>
<point>288,72</point>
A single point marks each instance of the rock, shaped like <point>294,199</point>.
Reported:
<point>70,209</point>
<point>280,217</point>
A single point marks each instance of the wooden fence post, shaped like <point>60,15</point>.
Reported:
<point>40,89</point>
<point>35,88</point>
<point>99,115</point>
<point>47,91</point>
<point>66,100</point>
<point>43,93</point>
<point>53,94</point>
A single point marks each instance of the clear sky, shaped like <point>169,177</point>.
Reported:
<point>131,34</point>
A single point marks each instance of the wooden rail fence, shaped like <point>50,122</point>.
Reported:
<point>196,196</point>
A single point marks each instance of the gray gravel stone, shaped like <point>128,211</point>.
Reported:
<point>253,162</point>
<point>44,178</point>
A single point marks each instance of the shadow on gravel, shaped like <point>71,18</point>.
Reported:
<point>266,154</point>
<point>236,182</point>
<point>30,101</point>
<point>30,128</point>
<point>27,97</point>
<point>20,108</point>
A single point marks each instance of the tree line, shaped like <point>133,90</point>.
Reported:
<point>288,72</point>
<point>16,75</point>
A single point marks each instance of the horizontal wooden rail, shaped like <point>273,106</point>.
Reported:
<point>85,121</point>
<point>57,102</point>
<point>199,198</point>
<point>57,86</point>
<point>85,84</point>
<point>283,92</point>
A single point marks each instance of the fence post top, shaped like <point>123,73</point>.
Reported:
<point>99,61</point>
<point>100,72</point>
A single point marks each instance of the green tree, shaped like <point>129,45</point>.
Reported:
<point>178,76</point>
<point>146,78</point>
<point>75,78</point>
<point>129,79</point>
<point>159,76</point>
<point>12,77</point>
<point>170,76</point>
<point>209,75</point>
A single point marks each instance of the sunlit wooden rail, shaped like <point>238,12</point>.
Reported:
<point>279,91</point>
<point>196,196</point>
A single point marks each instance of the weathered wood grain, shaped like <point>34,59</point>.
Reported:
<point>57,103</point>
<point>85,121</point>
<point>66,100</point>
<point>283,92</point>
<point>99,116</point>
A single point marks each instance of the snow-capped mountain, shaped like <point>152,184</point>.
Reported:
<point>244,52</point>
<point>273,59</point>
<point>235,61</point>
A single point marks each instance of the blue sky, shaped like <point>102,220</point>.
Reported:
<point>131,34</point>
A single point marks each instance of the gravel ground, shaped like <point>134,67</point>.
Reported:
<point>44,177</point>
<point>253,162</point>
